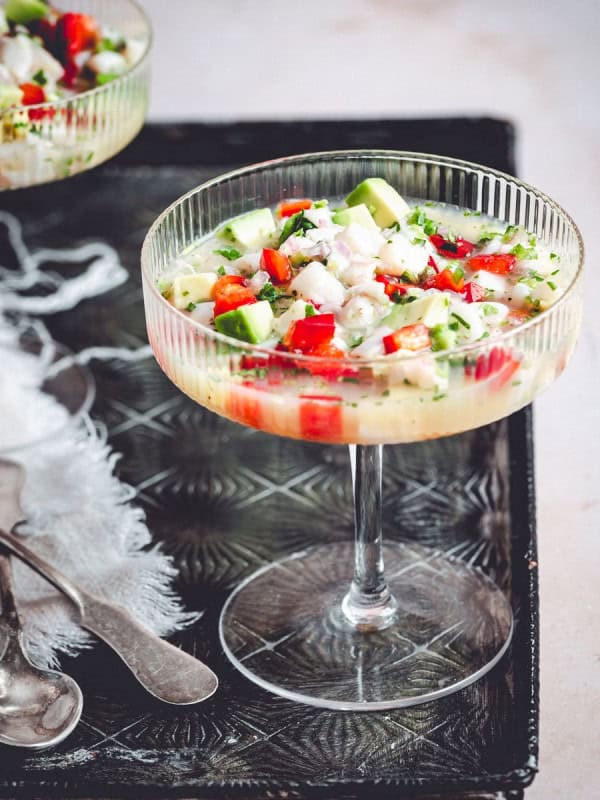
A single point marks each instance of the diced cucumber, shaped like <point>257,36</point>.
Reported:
<point>251,323</point>
<point>431,310</point>
<point>442,337</point>
<point>23,11</point>
<point>359,214</point>
<point>251,230</point>
<point>382,200</point>
<point>193,288</point>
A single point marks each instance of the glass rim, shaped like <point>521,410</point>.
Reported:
<point>66,102</point>
<point>392,358</point>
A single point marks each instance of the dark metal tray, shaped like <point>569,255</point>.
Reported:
<point>197,477</point>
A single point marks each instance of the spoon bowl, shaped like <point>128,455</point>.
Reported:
<point>38,707</point>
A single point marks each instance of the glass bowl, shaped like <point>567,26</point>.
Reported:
<point>327,626</point>
<point>59,139</point>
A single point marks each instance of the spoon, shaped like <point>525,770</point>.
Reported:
<point>38,707</point>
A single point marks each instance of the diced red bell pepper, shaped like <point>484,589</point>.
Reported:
<point>290,207</point>
<point>410,337</point>
<point>459,248</point>
<point>276,264</point>
<point>431,262</point>
<point>474,293</point>
<point>391,285</point>
<point>321,417</point>
<point>445,281</point>
<point>230,293</point>
<point>309,333</point>
<point>499,263</point>
<point>245,405</point>
<point>74,33</point>
<point>336,366</point>
<point>33,94</point>
<point>498,363</point>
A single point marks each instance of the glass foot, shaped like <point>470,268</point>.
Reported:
<point>284,629</point>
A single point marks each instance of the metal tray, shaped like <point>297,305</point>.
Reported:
<point>198,476</point>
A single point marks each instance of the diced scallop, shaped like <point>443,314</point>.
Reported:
<point>361,240</point>
<point>360,270</point>
<point>372,289</point>
<point>469,319</point>
<point>107,62</point>
<point>493,314</point>
<point>496,285</point>
<point>16,53</point>
<point>359,313</point>
<point>339,258</point>
<point>315,283</point>
<point>296,311</point>
<point>45,61</point>
<point>399,255</point>
<point>372,346</point>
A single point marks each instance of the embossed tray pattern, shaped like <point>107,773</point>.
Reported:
<point>225,500</point>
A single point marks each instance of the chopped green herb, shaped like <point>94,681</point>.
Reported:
<point>488,236</point>
<point>40,78</point>
<point>552,285</point>
<point>418,217</point>
<point>184,294</point>
<point>89,157</point>
<point>438,397</point>
<point>269,292</point>
<point>554,256</point>
<point>509,233</point>
<point>462,321</point>
<point>190,306</point>
<point>523,253</point>
<point>484,335</point>
<point>488,310</point>
<point>458,273</point>
<point>349,379</point>
<point>105,77</point>
<point>221,271</point>
<point>296,224</point>
<point>230,253</point>
<point>321,204</point>
<point>418,241</point>
<point>556,271</point>
<point>309,311</point>
<point>385,393</point>
<point>112,45</point>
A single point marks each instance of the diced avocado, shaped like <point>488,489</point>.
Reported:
<point>10,95</point>
<point>251,230</point>
<point>359,214</point>
<point>442,337</point>
<point>431,310</point>
<point>193,288</point>
<point>251,323</point>
<point>382,200</point>
<point>23,11</point>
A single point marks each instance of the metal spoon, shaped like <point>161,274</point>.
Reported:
<point>38,707</point>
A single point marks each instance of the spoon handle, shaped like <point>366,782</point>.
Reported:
<point>168,673</point>
<point>10,617</point>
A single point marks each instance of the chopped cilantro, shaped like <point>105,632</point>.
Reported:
<point>488,236</point>
<point>418,217</point>
<point>268,292</point>
<point>509,233</point>
<point>484,335</point>
<point>554,256</point>
<point>309,310</point>
<point>385,393</point>
<point>89,157</point>
<point>190,306</point>
<point>419,241</point>
<point>112,45</point>
<point>40,78</point>
<point>552,285</point>
<point>230,253</point>
<point>184,294</point>
<point>356,341</point>
<point>105,77</point>
<point>462,321</point>
<point>221,271</point>
<point>556,271</point>
<point>321,204</point>
<point>523,253</point>
<point>296,224</point>
<point>458,273</point>
<point>488,309</point>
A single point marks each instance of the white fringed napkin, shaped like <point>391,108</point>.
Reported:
<point>79,516</point>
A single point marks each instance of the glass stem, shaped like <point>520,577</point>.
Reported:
<point>368,605</point>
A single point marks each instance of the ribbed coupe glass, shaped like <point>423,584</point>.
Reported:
<point>51,141</point>
<point>327,626</point>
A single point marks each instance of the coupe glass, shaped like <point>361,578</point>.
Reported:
<point>75,134</point>
<point>326,626</point>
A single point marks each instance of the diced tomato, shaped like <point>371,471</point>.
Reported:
<point>245,404</point>
<point>276,264</point>
<point>499,263</point>
<point>474,293</point>
<point>336,366</point>
<point>74,33</point>
<point>410,337</point>
<point>498,363</point>
<point>230,293</point>
<point>311,332</point>
<point>290,207</point>
<point>321,417</point>
<point>445,281</point>
<point>33,94</point>
<point>459,248</point>
<point>391,285</point>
